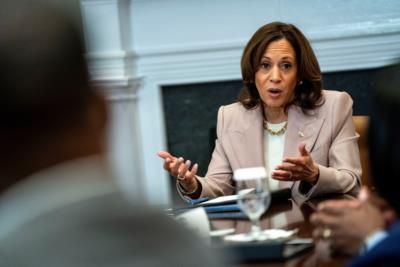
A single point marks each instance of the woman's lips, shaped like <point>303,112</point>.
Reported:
<point>274,92</point>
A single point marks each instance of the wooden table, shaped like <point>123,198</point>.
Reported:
<point>295,216</point>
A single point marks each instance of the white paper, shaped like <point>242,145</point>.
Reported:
<point>223,199</point>
<point>197,221</point>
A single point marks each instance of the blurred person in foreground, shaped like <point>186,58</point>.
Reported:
<point>283,120</point>
<point>59,205</point>
<point>368,227</point>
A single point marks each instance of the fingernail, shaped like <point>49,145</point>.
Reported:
<point>187,163</point>
<point>363,195</point>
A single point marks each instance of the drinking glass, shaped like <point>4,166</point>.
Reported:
<point>254,197</point>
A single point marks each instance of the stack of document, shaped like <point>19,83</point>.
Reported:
<point>227,206</point>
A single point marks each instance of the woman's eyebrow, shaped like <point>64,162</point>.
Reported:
<point>288,57</point>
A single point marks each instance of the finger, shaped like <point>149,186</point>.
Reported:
<point>290,168</point>
<point>364,194</point>
<point>188,163</point>
<point>175,166</point>
<point>378,201</point>
<point>318,233</point>
<point>193,171</point>
<point>167,164</point>
<point>282,175</point>
<point>338,206</point>
<point>324,220</point>
<point>189,175</point>
<point>284,166</point>
<point>302,149</point>
<point>183,169</point>
<point>299,161</point>
<point>164,154</point>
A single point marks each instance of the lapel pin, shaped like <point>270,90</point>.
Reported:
<point>301,134</point>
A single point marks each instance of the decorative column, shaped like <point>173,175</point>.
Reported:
<point>107,30</point>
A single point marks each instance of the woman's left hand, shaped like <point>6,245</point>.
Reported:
<point>297,168</point>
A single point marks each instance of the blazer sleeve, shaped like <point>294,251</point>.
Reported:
<point>218,180</point>
<point>342,175</point>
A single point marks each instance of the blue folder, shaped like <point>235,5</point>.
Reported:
<point>222,208</point>
<point>230,208</point>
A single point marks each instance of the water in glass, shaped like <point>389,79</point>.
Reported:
<point>253,195</point>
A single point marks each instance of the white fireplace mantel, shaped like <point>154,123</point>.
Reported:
<point>137,46</point>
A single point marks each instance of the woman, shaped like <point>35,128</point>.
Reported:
<point>284,120</point>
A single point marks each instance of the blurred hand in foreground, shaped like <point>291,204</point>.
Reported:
<point>346,224</point>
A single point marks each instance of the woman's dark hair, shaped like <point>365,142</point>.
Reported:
<point>383,137</point>
<point>308,93</point>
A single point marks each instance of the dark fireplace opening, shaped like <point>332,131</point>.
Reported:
<point>190,112</point>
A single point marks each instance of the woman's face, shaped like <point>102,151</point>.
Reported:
<point>276,77</point>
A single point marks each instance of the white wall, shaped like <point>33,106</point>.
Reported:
<point>136,46</point>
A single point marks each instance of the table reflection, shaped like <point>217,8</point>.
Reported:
<point>290,215</point>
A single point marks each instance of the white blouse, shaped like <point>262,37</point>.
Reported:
<point>273,153</point>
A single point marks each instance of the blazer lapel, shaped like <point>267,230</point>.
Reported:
<point>302,128</point>
<point>247,140</point>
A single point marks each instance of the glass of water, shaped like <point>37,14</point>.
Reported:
<point>254,197</point>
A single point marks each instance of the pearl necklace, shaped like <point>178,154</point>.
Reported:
<point>275,132</point>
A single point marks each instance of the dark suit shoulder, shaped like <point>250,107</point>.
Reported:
<point>386,253</point>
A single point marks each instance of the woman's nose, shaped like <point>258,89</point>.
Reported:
<point>275,75</point>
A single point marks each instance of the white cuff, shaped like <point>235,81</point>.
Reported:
<point>373,239</point>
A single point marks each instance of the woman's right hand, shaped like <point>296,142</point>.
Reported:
<point>180,169</point>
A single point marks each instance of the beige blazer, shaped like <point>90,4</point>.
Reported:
<point>328,132</point>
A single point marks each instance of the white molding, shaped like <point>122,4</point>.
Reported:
<point>334,32</point>
<point>361,46</point>
<point>111,65</point>
<point>116,90</point>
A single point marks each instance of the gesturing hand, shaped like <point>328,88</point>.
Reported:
<point>297,168</point>
<point>180,169</point>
